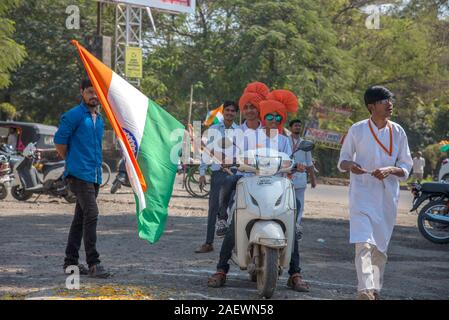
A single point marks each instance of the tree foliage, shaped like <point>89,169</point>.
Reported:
<point>11,53</point>
<point>319,49</point>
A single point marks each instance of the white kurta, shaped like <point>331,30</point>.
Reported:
<point>373,207</point>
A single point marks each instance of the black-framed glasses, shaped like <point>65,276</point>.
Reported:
<point>271,117</point>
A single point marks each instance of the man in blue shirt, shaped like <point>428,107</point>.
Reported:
<point>79,141</point>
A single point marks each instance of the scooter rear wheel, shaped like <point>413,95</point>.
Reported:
<point>70,197</point>
<point>268,271</point>
<point>3,191</point>
<point>20,193</point>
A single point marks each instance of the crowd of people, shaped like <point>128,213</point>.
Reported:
<point>375,152</point>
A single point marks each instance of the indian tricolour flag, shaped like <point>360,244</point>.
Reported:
<point>148,139</point>
<point>214,116</point>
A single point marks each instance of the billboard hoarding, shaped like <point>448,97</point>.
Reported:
<point>174,6</point>
<point>133,62</point>
<point>325,138</point>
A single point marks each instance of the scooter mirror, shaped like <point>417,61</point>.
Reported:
<point>306,146</point>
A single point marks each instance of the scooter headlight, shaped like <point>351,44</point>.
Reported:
<point>268,166</point>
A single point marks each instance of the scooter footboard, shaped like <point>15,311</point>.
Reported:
<point>271,234</point>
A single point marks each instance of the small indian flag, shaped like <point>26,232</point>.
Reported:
<point>144,131</point>
<point>215,116</point>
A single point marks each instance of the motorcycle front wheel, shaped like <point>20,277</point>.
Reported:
<point>19,193</point>
<point>268,271</point>
<point>431,230</point>
<point>3,191</point>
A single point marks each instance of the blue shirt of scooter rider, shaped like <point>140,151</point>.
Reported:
<point>82,132</point>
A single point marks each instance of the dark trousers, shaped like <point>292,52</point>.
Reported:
<point>84,224</point>
<point>294,261</point>
<point>226,248</point>
<point>217,180</point>
<point>226,191</point>
<point>229,243</point>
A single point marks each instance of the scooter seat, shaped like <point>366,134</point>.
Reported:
<point>435,187</point>
<point>54,165</point>
<point>49,166</point>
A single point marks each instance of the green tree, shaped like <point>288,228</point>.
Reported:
<point>11,53</point>
<point>47,84</point>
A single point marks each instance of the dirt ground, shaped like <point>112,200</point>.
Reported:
<point>33,237</point>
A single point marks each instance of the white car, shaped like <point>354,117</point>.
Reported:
<point>444,171</point>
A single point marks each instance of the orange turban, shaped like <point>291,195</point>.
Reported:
<point>281,102</point>
<point>254,93</point>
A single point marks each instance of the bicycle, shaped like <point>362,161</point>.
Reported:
<point>106,170</point>
<point>191,181</point>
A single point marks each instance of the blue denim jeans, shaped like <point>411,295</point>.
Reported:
<point>216,182</point>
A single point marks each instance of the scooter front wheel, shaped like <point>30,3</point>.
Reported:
<point>115,186</point>
<point>3,191</point>
<point>19,193</point>
<point>267,271</point>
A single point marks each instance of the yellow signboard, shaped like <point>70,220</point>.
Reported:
<point>133,62</point>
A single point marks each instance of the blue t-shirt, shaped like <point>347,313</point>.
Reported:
<point>83,138</point>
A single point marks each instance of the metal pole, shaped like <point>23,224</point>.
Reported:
<point>191,103</point>
<point>99,7</point>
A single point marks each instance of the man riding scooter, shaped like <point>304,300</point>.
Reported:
<point>274,111</point>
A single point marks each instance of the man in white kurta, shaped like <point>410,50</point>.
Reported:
<point>378,159</point>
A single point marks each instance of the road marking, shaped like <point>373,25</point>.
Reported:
<point>282,278</point>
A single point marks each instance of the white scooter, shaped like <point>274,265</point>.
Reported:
<point>264,216</point>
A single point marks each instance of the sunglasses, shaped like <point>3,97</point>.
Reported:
<point>271,117</point>
<point>385,101</point>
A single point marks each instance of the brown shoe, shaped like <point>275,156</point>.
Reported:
<point>205,248</point>
<point>365,295</point>
<point>217,280</point>
<point>296,282</point>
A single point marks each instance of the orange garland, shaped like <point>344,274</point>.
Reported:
<point>390,151</point>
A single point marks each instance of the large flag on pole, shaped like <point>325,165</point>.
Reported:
<point>144,131</point>
<point>214,116</point>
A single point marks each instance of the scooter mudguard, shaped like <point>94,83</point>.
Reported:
<point>269,234</point>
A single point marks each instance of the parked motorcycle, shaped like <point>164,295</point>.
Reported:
<point>121,179</point>
<point>433,218</point>
<point>264,216</point>
<point>6,176</point>
<point>40,177</point>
